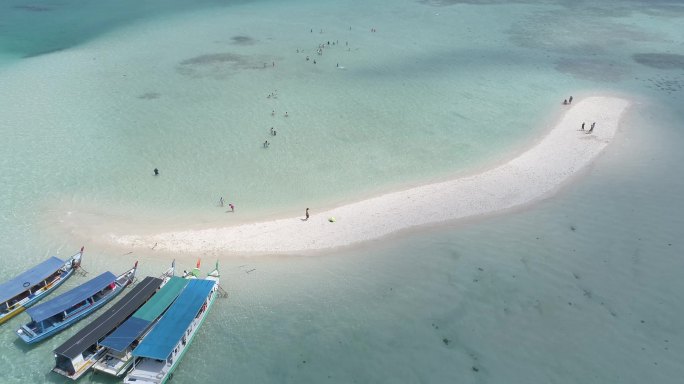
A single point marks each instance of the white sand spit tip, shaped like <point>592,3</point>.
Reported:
<point>533,175</point>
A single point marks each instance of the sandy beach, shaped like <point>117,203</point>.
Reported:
<point>535,174</point>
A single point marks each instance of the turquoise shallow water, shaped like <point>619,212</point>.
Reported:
<point>581,287</point>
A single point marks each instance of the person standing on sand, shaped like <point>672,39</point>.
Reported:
<point>307,214</point>
<point>221,202</point>
<point>570,100</point>
<point>591,129</point>
<point>232,207</point>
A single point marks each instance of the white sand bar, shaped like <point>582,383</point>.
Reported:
<point>535,174</point>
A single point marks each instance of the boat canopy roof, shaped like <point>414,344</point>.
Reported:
<point>161,341</point>
<point>29,278</point>
<point>154,308</point>
<point>103,325</point>
<point>69,299</point>
<point>129,331</point>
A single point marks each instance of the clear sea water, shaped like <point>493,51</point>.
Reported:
<point>582,287</point>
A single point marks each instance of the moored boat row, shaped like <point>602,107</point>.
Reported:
<point>160,316</point>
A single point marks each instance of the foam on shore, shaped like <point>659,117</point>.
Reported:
<point>535,174</point>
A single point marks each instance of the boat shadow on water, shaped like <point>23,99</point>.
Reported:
<point>25,348</point>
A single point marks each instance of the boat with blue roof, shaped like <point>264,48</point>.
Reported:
<point>33,285</point>
<point>63,311</point>
<point>162,349</point>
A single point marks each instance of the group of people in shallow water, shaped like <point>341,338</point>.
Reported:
<point>221,201</point>
<point>322,46</point>
<point>273,131</point>
<point>232,207</point>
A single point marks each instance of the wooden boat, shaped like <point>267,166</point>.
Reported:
<point>118,356</point>
<point>160,352</point>
<point>35,284</point>
<point>63,311</point>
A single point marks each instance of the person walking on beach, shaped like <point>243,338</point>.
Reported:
<point>570,100</point>
<point>266,144</point>
<point>232,207</point>
<point>221,202</point>
<point>307,214</point>
<point>591,129</point>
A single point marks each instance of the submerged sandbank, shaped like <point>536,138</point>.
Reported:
<point>533,175</point>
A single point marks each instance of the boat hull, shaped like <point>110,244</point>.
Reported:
<point>9,315</point>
